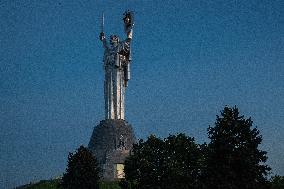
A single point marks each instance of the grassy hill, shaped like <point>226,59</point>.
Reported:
<point>54,184</point>
<point>43,184</point>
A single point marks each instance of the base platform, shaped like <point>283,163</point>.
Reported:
<point>111,143</point>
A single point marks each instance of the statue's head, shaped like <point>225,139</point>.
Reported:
<point>114,40</point>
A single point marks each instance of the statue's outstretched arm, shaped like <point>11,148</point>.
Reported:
<point>128,24</point>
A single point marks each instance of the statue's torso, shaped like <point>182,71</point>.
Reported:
<point>114,56</point>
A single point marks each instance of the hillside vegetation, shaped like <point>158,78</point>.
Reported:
<point>54,184</point>
<point>43,184</point>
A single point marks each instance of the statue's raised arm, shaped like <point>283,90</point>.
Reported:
<point>102,34</point>
<point>128,23</point>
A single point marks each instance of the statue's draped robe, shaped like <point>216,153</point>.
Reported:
<point>117,73</point>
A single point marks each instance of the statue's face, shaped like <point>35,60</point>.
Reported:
<point>114,40</point>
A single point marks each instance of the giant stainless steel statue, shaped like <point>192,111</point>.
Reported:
<point>117,58</point>
<point>112,139</point>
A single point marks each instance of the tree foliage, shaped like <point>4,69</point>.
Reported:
<point>234,160</point>
<point>174,162</point>
<point>82,170</point>
<point>277,182</point>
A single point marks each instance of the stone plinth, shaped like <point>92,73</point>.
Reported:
<point>111,143</point>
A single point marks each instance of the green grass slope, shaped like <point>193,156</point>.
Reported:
<point>54,184</point>
<point>43,184</point>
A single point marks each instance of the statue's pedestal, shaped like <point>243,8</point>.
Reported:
<point>111,143</point>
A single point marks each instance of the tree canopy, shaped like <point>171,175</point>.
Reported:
<point>82,170</point>
<point>277,182</point>
<point>234,160</point>
<point>174,162</point>
<point>231,160</point>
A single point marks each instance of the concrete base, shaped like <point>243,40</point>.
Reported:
<point>111,143</point>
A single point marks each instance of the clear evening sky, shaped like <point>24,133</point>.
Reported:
<point>190,59</point>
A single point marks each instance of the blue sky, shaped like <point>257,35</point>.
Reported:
<point>190,59</point>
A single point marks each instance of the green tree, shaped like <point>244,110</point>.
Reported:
<point>143,168</point>
<point>184,162</point>
<point>234,160</point>
<point>277,182</point>
<point>174,162</point>
<point>82,170</point>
